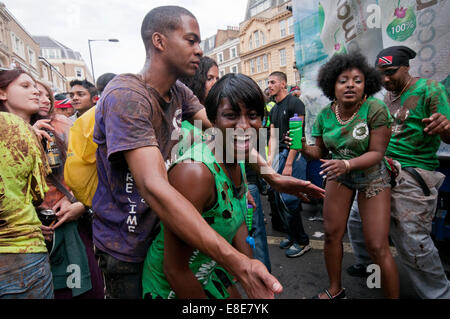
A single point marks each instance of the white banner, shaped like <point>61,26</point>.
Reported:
<point>324,28</point>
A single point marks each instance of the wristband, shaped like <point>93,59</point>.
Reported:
<point>347,166</point>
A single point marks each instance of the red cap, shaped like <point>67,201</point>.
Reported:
<point>63,104</point>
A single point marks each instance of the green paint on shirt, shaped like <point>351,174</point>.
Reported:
<point>409,144</point>
<point>351,140</point>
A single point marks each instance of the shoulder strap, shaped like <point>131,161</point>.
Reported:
<point>419,179</point>
<point>61,188</point>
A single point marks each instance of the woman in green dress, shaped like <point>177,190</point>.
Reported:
<point>212,178</point>
<point>355,128</point>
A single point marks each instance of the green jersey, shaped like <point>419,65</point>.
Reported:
<point>409,144</point>
<point>352,139</point>
<point>225,218</point>
<point>22,181</point>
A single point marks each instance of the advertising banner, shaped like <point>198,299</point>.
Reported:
<point>327,27</point>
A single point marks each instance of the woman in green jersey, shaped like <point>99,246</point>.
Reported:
<point>355,129</point>
<point>215,183</point>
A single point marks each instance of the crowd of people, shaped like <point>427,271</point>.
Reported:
<point>148,185</point>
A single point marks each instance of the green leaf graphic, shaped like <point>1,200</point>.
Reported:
<point>401,29</point>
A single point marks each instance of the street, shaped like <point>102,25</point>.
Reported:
<point>305,276</point>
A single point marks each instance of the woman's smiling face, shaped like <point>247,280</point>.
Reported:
<point>239,128</point>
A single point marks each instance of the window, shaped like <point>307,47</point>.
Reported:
<point>31,57</point>
<point>256,37</point>
<point>290,22</point>
<point>18,45</point>
<point>260,84</point>
<point>258,64</point>
<point>79,72</point>
<point>234,69</point>
<point>2,28</point>
<point>51,53</point>
<point>250,43</point>
<point>265,62</point>
<point>252,66</point>
<point>283,28</point>
<point>221,73</point>
<point>211,43</point>
<point>283,57</point>
<point>45,72</point>
<point>263,38</point>
<point>233,52</point>
<point>220,57</point>
<point>259,6</point>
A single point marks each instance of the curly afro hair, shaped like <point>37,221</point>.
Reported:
<point>330,71</point>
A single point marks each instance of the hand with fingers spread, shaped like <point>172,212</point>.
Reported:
<point>297,187</point>
<point>436,124</point>
<point>40,126</point>
<point>257,282</point>
<point>332,169</point>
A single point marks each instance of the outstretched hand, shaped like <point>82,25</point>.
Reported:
<point>257,282</point>
<point>297,187</point>
<point>436,124</point>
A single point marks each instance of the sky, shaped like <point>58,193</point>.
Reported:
<point>73,22</point>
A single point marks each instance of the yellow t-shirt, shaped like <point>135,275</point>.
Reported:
<point>80,170</point>
<point>23,168</point>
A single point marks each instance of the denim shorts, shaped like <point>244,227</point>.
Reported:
<point>25,276</point>
<point>370,181</point>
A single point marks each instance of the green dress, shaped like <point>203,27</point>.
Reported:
<point>352,139</point>
<point>190,135</point>
<point>227,215</point>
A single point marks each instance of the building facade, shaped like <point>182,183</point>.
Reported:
<point>267,41</point>
<point>223,47</point>
<point>65,60</point>
<point>19,49</point>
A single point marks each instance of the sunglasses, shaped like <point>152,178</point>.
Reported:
<point>389,72</point>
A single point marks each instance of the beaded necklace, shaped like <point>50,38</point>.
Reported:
<point>247,213</point>
<point>338,115</point>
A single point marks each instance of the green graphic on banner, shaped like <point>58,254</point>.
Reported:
<point>339,48</point>
<point>403,26</point>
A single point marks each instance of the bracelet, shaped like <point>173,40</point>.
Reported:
<point>347,166</point>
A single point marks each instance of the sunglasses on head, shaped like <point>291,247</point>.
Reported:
<point>389,72</point>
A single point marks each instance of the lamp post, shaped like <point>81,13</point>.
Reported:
<point>90,53</point>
